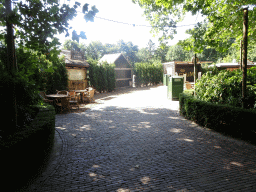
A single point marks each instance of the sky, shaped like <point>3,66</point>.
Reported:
<point>120,12</point>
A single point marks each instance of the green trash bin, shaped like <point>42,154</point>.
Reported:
<point>174,87</point>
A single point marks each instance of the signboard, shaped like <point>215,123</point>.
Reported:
<point>187,69</point>
<point>76,74</point>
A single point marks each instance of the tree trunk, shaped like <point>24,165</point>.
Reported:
<point>11,63</point>
<point>245,33</point>
<point>241,55</point>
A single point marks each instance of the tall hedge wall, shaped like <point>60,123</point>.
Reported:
<point>102,76</point>
<point>148,73</point>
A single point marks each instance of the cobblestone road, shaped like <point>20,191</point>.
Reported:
<point>138,142</point>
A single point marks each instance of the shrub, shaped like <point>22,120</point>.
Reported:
<point>224,118</point>
<point>148,73</point>
<point>102,76</point>
<point>226,87</point>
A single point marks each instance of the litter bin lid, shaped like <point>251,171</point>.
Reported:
<point>176,77</point>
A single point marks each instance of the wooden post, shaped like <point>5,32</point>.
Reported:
<point>195,69</point>
<point>245,33</point>
<point>195,74</point>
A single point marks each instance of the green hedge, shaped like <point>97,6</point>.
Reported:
<point>25,153</point>
<point>227,119</point>
<point>102,76</point>
<point>148,73</point>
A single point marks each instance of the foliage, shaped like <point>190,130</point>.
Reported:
<point>225,88</point>
<point>35,23</point>
<point>178,53</point>
<point>129,50</point>
<point>252,52</point>
<point>227,119</point>
<point>96,50</point>
<point>160,53</point>
<point>102,76</point>
<point>162,19</point>
<point>189,92</point>
<point>56,80</point>
<point>75,47</point>
<point>75,36</point>
<point>143,55</point>
<point>148,73</point>
<point>151,52</point>
<point>213,70</point>
<point>196,42</point>
<point>67,45</point>
<point>224,18</point>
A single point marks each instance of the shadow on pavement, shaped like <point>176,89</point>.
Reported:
<point>124,149</point>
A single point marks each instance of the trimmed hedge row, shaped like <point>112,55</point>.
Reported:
<point>102,77</point>
<point>148,73</point>
<point>227,119</point>
<point>25,153</point>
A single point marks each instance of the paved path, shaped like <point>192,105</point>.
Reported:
<point>138,142</point>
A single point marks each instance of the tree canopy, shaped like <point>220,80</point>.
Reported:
<point>37,21</point>
<point>224,18</point>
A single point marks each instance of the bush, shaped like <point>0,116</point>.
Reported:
<point>102,76</point>
<point>214,70</point>
<point>55,79</point>
<point>226,88</point>
<point>224,118</point>
<point>189,91</point>
<point>21,86</point>
<point>148,73</point>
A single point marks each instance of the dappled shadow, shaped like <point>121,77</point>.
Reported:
<point>154,149</point>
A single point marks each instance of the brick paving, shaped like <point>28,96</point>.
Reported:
<point>138,142</point>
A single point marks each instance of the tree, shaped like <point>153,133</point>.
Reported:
<point>252,52</point>
<point>95,50</point>
<point>35,23</point>
<point>161,53</point>
<point>177,53</point>
<point>148,53</point>
<point>129,50</point>
<point>111,48</point>
<point>224,18</point>
<point>163,16</point>
<point>151,48</point>
<point>143,55</point>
